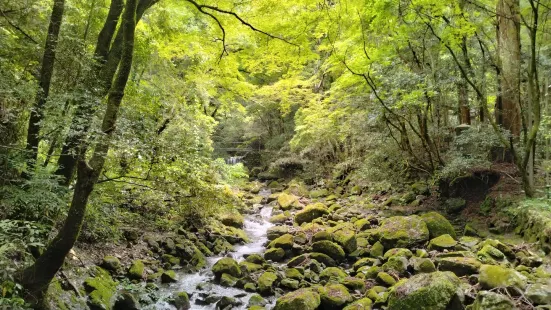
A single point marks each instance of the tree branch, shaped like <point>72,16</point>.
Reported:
<point>18,28</point>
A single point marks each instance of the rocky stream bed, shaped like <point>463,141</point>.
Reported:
<point>296,249</point>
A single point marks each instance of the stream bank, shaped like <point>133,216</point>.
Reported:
<point>315,248</point>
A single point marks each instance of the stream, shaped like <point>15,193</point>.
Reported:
<point>200,285</point>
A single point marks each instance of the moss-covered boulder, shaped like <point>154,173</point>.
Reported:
<point>286,201</point>
<point>318,193</point>
<point>461,266</point>
<point>396,264</point>
<point>277,231</point>
<point>100,289</point>
<point>539,293</point>
<point>377,250</point>
<point>360,304</point>
<point>126,301</point>
<point>334,296</point>
<point>443,242</point>
<point>255,259</point>
<point>324,259</point>
<point>385,279</point>
<point>354,284</point>
<point>228,280</point>
<point>434,291</point>
<point>492,276</point>
<point>310,213</point>
<point>346,238</point>
<point>423,265</point>
<point>248,267</point>
<point>438,225</point>
<point>398,252</point>
<point>137,270</point>
<point>275,254</point>
<point>169,276</point>
<point>111,263</point>
<point>297,260</point>
<point>402,231</point>
<point>280,218</point>
<point>284,242</point>
<point>329,248</point>
<point>266,281</point>
<point>180,301</point>
<point>455,205</point>
<point>322,235</point>
<point>333,274</point>
<point>303,299</point>
<point>486,300</point>
<point>226,265</point>
<point>233,220</point>
<point>291,284</point>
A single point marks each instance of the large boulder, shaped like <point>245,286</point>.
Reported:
<point>345,237</point>
<point>436,291</point>
<point>100,289</point>
<point>226,265</point>
<point>329,248</point>
<point>284,242</point>
<point>402,231</point>
<point>266,282</point>
<point>286,201</point>
<point>461,266</point>
<point>492,276</point>
<point>310,213</point>
<point>233,220</point>
<point>486,300</point>
<point>303,299</point>
<point>334,296</point>
<point>438,225</point>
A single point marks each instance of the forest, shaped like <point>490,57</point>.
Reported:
<point>306,154</point>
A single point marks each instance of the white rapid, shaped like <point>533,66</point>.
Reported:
<point>199,285</point>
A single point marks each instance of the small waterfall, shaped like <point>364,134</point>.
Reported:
<point>234,160</point>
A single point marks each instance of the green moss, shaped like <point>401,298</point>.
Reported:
<point>274,254</point>
<point>324,259</point>
<point>396,264</point>
<point>226,265</point>
<point>169,276</point>
<point>285,201</point>
<point>489,300</point>
<point>360,304</point>
<point>304,299</point>
<point>233,220</point>
<point>111,263</point>
<point>423,265</point>
<point>438,225</point>
<point>137,270</point>
<point>354,283</point>
<point>431,291</point>
<point>284,242</point>
<point>402,231</point>
<point>100,289</point>
<point>333,274</point>
<point>266,282</point>
<point>334,296</point>
<point>293,273</point>
<point>377,250</point>
<point>310,212</point>
<point>398,252</point>
<point>461,266</point>
<point>385,279</point>
<point>228,280</point>
<point>279,218</point>
<point>496,276</point>
<point>443,242</point>
<point>329,248</point>
<point>345,237</point>
<point>248,268</point>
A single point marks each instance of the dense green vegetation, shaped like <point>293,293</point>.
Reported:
<point>125,117</point>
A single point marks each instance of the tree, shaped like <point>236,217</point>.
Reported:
<point>46,72</point>
<point>37,277</point>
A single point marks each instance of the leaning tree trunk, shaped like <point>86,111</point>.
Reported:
<point>46,72</point>
<point>108,54</point>
<point>37,277</point>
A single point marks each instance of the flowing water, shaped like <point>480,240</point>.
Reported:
<point>256,226</point>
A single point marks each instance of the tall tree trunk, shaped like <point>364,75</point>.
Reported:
<point>508,42</point>
<point>463,102</point>
<point>37,277</point>
<point>46,72</point>
<point>108,55</point>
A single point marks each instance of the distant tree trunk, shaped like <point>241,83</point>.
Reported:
<point>463,102</point>
<point>108,55</point>
<point>508,43</point>
<point>37,277</point>
<point>46,72</point>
